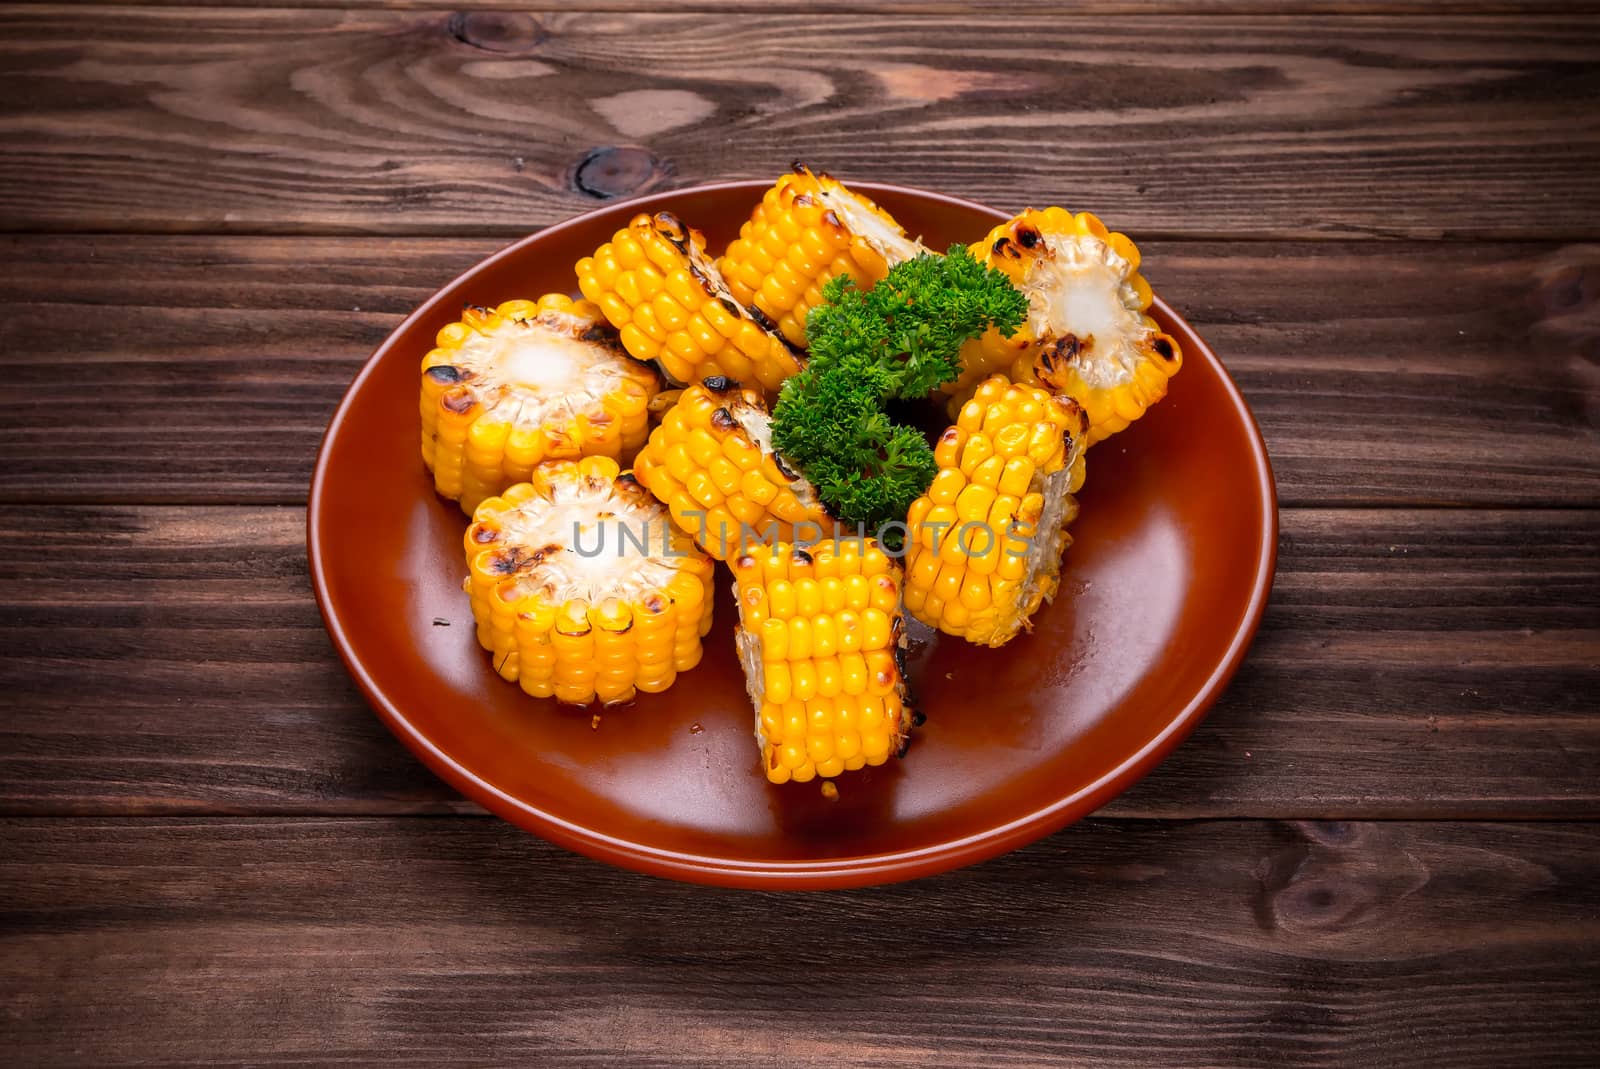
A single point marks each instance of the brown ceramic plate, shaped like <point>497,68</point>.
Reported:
<point>1161,592</point>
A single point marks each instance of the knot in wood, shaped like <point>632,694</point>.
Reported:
<point>616,171</point>
<point>501,32</point>
<point>1338,877</point>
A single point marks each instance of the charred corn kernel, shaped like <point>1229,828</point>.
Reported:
<point>657,286</point>
<point>507,388</point>
<point>822,664</point>
<point>808,229</point>
<point>1089,333</point>
<point>581,587</point>
<point>969,571</point>
<point>883,593</point>
<point>947,450</point>
<point>698,463</point>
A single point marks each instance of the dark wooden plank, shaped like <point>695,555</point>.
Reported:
<point>205,368</point>
<point>1429,663</point>
<point>452,942</point>
<point>292,120</point>
<point>946,7</point>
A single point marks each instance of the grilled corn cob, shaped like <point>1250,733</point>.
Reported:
<point>1088,316</point>
<point>582,589</point>
<point>711,462</point>
<point>807,229</point>
<point>525,382</point>
<point>655,283</point>
<point>820,638</point>
<point>984,543</point>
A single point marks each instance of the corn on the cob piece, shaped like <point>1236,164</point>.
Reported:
<point>984,543</point>
<point>807,229</point>
<point>525,382</point>
<point>821,640</point>
<point>1088,317</point>
<point>711,462</point>
<point>656,284</point>
<point>581,587</point>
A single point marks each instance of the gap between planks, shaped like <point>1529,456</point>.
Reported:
<point>1000,8</point>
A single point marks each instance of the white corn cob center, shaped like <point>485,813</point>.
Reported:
<point>539,372</point>
<point>1081,287</point>
<point>586,542</point>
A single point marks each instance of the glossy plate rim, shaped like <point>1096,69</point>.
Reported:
<point>821,874</point>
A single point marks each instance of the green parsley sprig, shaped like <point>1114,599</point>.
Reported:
<point>897,341</point>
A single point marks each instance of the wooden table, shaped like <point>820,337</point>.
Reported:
<point>1380,849</point>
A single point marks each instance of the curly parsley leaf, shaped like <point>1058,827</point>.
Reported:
<point>899,340</point>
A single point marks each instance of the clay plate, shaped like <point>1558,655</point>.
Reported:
<point>1161,592</point>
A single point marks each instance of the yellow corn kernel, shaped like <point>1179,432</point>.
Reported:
<point>947,484</point>
<point>510,387</point>
<point>1017,475</point>
<point>973,504</point>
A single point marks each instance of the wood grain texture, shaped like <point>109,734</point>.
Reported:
<point>464,942</point>
<point>942,7</point>
<point>205,368</point>
<point>293,120</point>
<point>1429,663</point>
<point>214,854</point>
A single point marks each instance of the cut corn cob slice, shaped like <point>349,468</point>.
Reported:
<point>655,283</point>
<point>821,639</point>
<point>984,544</point>
<point>711,462</point>
<point>807,229</point>
<point>526,382</point>
<point>1088,317</point>
<point>581,587</point>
